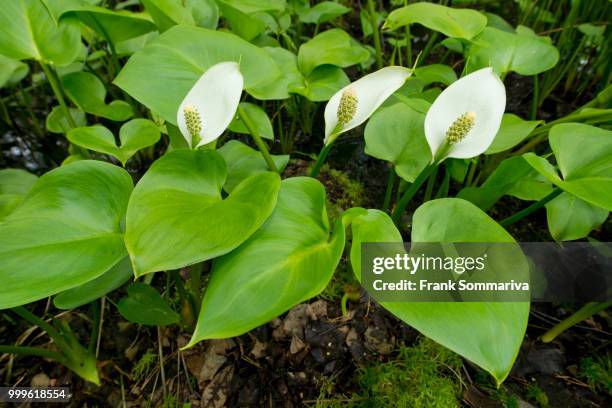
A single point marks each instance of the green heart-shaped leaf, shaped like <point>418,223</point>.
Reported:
<point>395,134</point>
<point>29,30</point>
<point>160,75</point>
<point>88,93</point>
<point>144,305</point>
<point>583,155</point>
<point>322,12</point>
<point>333,47</point>
<point>486,333</point>
<point>67,231</point>
<point>452,22</point>
<point>177,217</point>
<point>288,260</point>
<point>523,53</point>
<point>134,135</point>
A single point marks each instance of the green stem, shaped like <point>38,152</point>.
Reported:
<point>321,159</point>
<point>429,45</point>
<point>583,313</point>
<point>534,101</point>
<point>27,101</point>
<point>443,190</point>
<point>375,33</point>
<point>430,185</point>
<point>472,171</point>
<point>389,189</point>
<point>57,90</point>
<point>533,207</point>
<point>32,351</point>
<point>178,281</point>
<point>32,318</point>
<point>257,139</point>
<point>188,307</point>
<point>343,304</point>
<point>408,46</point>
<point>195,283</point>
<point>408,194</point>
<point>95,326</point>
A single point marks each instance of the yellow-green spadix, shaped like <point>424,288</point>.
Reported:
<point>211,104</point>
<point>356,102</point>
<point>464,119</point>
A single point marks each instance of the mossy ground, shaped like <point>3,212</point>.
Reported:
<point>597,372</point>
<point>424,375</point>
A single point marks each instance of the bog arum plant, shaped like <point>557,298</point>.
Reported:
<point>211,104</point>
<point>461,123</point>
<point>355,103</point>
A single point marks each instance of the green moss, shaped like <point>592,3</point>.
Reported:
<point>144,365</point>
<point>486,383</point>
<point>597,372</point>
<point>537,395</point>
<point>342,192</point>
<point>424,375</point>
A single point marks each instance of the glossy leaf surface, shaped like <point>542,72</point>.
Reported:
<point>67,231</point>
<point>523,53</point>
<point>487,333</point>
<point>583,156</point>
<point>452,22</point>
<point>334,47</point>
<point>28,30</point>
<point>134,135</point>
<point>177,217</point>
<point>396,134</point>
<point>288,260</point>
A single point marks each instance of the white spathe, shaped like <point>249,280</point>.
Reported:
<point>215,97</point>
<point>481,93</point>
<point>371,91</point>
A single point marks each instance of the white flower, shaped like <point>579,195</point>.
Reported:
<point>464,119</point>
<point>211,104</point>
<point>356,102</point>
